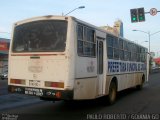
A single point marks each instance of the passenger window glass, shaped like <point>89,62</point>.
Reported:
<point>86,41</point>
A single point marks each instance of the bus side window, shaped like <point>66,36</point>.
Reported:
<point>110,52</point>
<point>116,48</point>
<point>110,46</point>
<point>86,41</point>
<point>121,51</point>
<point>121,54</point>
<point>80,38</point>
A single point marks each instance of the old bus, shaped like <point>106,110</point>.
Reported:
<point>64,58</point>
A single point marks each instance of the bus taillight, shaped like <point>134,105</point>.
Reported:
<point>54,84</point>
<point>18,81</point>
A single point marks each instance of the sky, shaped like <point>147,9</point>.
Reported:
<point>96,12</point>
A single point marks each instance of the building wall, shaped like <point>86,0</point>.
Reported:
<point>3,63</point>
<point>4,48</point>
<point>119,25</point>
<point>117,29</point>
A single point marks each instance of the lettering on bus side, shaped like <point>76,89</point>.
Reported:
<point>125,66</point>
<point>90,67</point>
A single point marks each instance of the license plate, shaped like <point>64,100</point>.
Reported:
<point>34,91</point>
<point>34,83</point>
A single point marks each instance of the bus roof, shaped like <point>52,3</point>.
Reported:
<point>47,17</point>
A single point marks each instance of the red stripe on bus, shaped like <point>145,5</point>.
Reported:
<point>35,54</point>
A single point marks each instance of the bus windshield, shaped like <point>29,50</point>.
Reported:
<point>40,36</point>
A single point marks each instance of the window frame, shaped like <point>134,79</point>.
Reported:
<point>88,42</point>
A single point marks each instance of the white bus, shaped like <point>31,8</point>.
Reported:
<point>63,58</point>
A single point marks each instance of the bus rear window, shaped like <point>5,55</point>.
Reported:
<point>40,36</point>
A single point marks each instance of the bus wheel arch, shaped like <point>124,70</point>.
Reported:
<point>112,94</point>
<point>140,86</point>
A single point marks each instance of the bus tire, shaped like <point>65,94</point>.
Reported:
<point>112,93</point>
<point>139,87</point>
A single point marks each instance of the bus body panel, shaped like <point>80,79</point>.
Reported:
<point>85,88</point>
<point>125,81</point>
<point>86,81</point>
<point>85,67</point>
<point>132,80</point>
<point>43,69</point>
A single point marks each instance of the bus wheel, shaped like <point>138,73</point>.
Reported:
<point>112,93</point>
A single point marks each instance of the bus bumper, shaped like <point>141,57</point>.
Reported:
<point>42,93</point>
